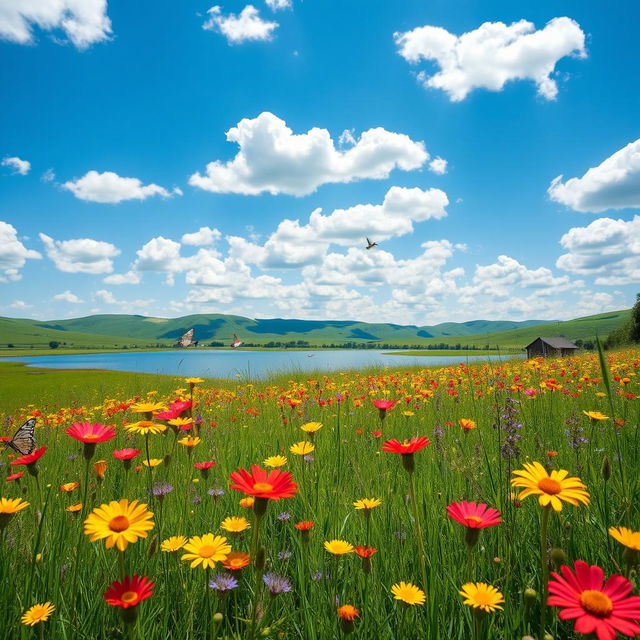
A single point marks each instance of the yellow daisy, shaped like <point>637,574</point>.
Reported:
<point>595,415</point>
<point>8,508</point>
<point>480,595</point>
<point>367,503</point>
<point>147,407</point>
<point>190,441</point>
<point>311,427</point>
<point>206,550</point>
<point>234,524</point>
<point>37,613</point>
<point>408,593</point>
<point>119,523</point>
<point>145,426</point>
<point>193,381</point>
<point>152,462</point>
<point>551,489</point>
<point>627,537</point>
<point>173,544</point>
<point>275,461</point>
<point>338,547</point>
<point>302,448</point>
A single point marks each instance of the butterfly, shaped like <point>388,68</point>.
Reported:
<point>236,341</point>
<point>23,441</point>
<point>370,244</point>
<point>187,340</point>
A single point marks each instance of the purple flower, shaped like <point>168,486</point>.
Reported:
<point>284,516</point>
<point>160,489</point>
<point>223,582</point>
<point>308,458</point>
<point>216,492</point>
<point>284,555</point>
<point>276,584</point>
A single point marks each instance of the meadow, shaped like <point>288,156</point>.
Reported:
<point>341,530</point>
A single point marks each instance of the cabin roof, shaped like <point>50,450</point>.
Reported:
<point>557,342</point>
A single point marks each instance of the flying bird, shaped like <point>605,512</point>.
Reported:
<point>236,342</point>
<point>370,244</point>
<point>187,340</point>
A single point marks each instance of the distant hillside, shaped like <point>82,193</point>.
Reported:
<point>102,331</point>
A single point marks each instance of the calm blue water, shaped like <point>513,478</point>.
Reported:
<point>247,364</point>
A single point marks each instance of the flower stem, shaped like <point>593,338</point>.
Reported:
<point>545,568</point>
<point>418,530</point>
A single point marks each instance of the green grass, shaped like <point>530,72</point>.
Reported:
<point>253,421</point>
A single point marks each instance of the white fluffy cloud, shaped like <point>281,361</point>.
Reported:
<point>274,159</point>
<point>613,184</point>
<point>81,255</point>
<point>293,245</point>
<point>109,187</point>
<point>244,27</point>
<point>130,277</point>
<point>607,249</point>
<point>276,5</point>
<point>67,296</point>
<point>201,238</point>
<point>438,166</point>
<point>492,55</point>
<point>17,165</point>
<point>13,254</point>
<point>84,22</point>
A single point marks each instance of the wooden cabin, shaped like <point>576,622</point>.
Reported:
<point>553,347</point>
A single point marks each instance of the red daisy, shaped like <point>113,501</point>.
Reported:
<point>179,406</point>
<point>474,516</point>
<point>32,458</point>
<point>408,446</point>
<point>125,454</point>
<point>598,609</point>
<point>170,414</point>
<point>91,433</point>
<point>384,405</point>
<point>305,525</point>
<point>130,592</point>
<point>204,465</point>
<point>15,476</point>
<point>273,485</point>
<point>365,552</point>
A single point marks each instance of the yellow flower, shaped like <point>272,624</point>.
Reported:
<point>37,613</point>
<point>147,407</point>
<point>189,441</point>
<point>193,381</point>
<point>247,502</point>
<point>482,596</point>
<point>467,424</point>
<point>74,508</point>
<point>69,486</point>
<point>595,415</point>
<point>173,544</point>
<point>408,593</point>
<point>551,489</point>
<point>119,522</point>
<point>145,426</point>
<point>234,524</point>
<point>275,461</point>
<point>311,427</point>
<point>302,448</point>
<point>367,503</point>
<point>408,414</point>
<point>627,537</point>
<point>180,422</point>
<point>338,547</point>
<point>152,462</point>
<point>206,550</point>
<point>8,508</point>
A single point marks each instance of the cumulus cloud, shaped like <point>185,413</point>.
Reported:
<point>67,296</point>
<point>274,159</point>
<point>17,165</point>
<point>124,306</point>
<point>246,26</point>
<point>81,255</point>
<point>13,254</point>
<point>607,249</point>
<point>20,304</point>
<point>130,277</point>
<point>84,22</point>
<point>294,245</point>
<point>438,166</point>
<point>201,238</point>
<point>492,55</point>
<point>276,5</point>
<point>109,187</point>
<point>613,184</point>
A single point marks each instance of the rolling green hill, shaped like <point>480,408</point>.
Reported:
<point>119,331</point>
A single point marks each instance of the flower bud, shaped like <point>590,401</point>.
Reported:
<point>606,468</point>
<point>218,617</point>
<point>558,556</point>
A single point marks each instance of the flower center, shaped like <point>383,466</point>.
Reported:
<point>472,519</point>
<point>207,550</point>
<point>482,598</point>
<point>552,487</point>
<point>129,596</point>
<point>596,603</point>
<point>91,436</point>
<point>119,523</point>
<point>262,487</point>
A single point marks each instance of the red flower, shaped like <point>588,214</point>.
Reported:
<point>408,446</point>
<point>32,458</point>
<point>15,476</point>
<point>365,552</point>
<point>204,465</point>
<point>91,433</point>
<point>598,609</point>
<point>179,406</point>
<point>305,525</point>
<point>384,405</point>
<point>125,454</point>
<point>474,516</point>
<point>376,434</point>
<point>273,485</point>
<point>166,415</point>
<point>130,592</point>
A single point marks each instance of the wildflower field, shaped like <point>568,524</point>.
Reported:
<point>488,501</point>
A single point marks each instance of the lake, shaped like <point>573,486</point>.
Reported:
<point>246,364</point>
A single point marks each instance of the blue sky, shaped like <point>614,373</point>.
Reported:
<point>155,157</point>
